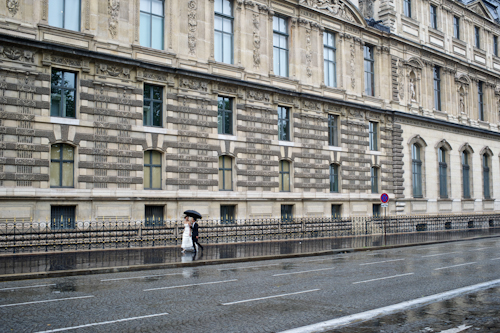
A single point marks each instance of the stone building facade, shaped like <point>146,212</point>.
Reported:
<point>240,109</point>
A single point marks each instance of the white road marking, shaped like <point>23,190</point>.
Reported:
<point>439,254</point>
<point>384,278</point>
<point>468,263</point>
<point>483,248</point>
<point>46,301</point>
<point>324,259</point>
<point>102,323</point>
<point>364,316</point>
<point>312,270</point>
<point>456,330</point>
<point>379,262</point>
<point>495,259</point>
<point>190,285</point>
<point>27,287</point>
<point>139,277</point>
<point>275,296</point>
<point>230,269</point>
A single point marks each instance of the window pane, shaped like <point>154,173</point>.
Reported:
<point>276,40</point>
<point>55,102</point>
<point>67,153</point>
<point>286,182</point>
<point>55,152</point>
<point>157,93</point>
<point>157,7</point>
<point>218,23</point>
<point>56,13</point>
<point>72,15</point>
<point>69,104</point>
<point>156,157</point>
<point>283,42</point>
<point>228,180</point>
<point>284,63</point>
<point>67,174</point>
<point>156,177</point>
<point>282,25</point>
<point>227,7</point>
<point>228,48</point>
<point>275,23</point>
<point>54,174</point>
<point>146,6</point>
<point>145,37</point>
<point>69,80</point>
<point>221,180</point>
<point>228,123</point>
<point>276,61</point>
<point>157,114</point>
<point>147,174</point>
<point>147,115</point>
<point>157,33</point>
<point>218,46</point>
<point>227,26</point>
<point>286,166</point>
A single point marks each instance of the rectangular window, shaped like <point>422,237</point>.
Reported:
<point>153,216</point>
<point>465,175</point>
<point>329,59</point>
<point>336,211</point>
<point>280,46</point>
<point>225,173</point>
<point>480,100</point>
<point>223,31</point>
<point>373,134</point>
<point>495,46</point>
<point>433,17</point>
<point>333,134</point>
<point>62,165</point>
<point>152,23</point>
<point>152,170</point>
<point>153,106</point>
<point>62,94</point>
<point>334,178</point>
<point>416,166</point>
<point>62,217</point>
<point>486,177</point>
<point>477,38</point>
<point>374,179</point>
<point>225,115</point>
<point>376,210</point>
<point>284,180</point>
<point>65,14</point>
<point>407,8</point>
<point>227,215</point>
<point>437,87</point>
<point>369,70</point>
<point>286,213</point>
<point>456,27</point>
<point>443,174</point>
<point>283,123</point>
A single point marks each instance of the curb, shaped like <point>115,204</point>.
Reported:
<point>134,268</point>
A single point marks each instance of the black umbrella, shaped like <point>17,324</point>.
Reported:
<point>193,213</point>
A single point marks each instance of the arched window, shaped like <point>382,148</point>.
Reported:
<point>334,178</point>
<point>486,176</point>
<point>225,173</point>
<point>284,176</point>
<point>152,170</point>
<point>62,163</point>
<point>416,164</point>
<point>465,175</point>
<point>443,173</point>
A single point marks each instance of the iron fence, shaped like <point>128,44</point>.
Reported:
<point>31,236</point>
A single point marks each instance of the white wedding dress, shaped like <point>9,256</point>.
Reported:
<point>187,241</point>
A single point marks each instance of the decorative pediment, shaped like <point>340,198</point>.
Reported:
<point>464,79</point>
<point>415,63</point>
<point>341,9</point>
<point>479,8</point>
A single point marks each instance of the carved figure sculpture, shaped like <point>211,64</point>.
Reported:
<point>413,95</point>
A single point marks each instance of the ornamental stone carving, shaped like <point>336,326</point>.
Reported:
<point>192,6</point>
<point>256,40</point>
<point>334,7</point>
<point>353,64</point>
<point>113,11</point>
<point>16,54</point>
<point>308,53</point>
<point>366,8</point>
<point>193,84</point>
<point>112,70</point>
<point>12,6</point>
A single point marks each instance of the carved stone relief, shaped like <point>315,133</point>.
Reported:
<point>256,40</point>
<point>333,7</point>
<point>258,96</point>
<point>353,64</point>
<point>366,8</point>
<point>13,53</point>
<point>401,77</point>
<point>112,70</point>
<point>12,6</point>
<point>193,84</point>
<point>308,53</point>
<point>192,5</point>
<point>113,11</point>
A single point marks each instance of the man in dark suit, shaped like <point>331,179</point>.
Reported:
<point>194,234</point>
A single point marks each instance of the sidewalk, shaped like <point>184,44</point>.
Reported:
<point>52,264</point>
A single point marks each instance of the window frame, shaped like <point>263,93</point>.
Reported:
<point>62,110</point>
<point>222,122</point>
<point>282,175</point>
<point>480,100</point>
<point>152,101</point>
<point>148,209</point>
<point>227,214</point>
<point>477,37</point>
<point>407,8</point>
<point>151,166</point>
<point>286,213</point>
<point>486,176</point>
<point>61,161</point>
<point>65,223</point>
<point>223,170</point>
<point>284,130</point>
<point>466,188</point>
<point>64,16</point>
<point>369,76</point>
<point>150,16</point>
<point>374,179</point>
<point>436,73</point>
<point>373,135</point>
<point>224,16</point>
<point>333,130</point>
<point>495,46</point>
<point>456,27</point>
<point>336,208</point>
<point>334,178</point>
<point>443,173</point>
<point>433,16</point>
<point>278,49</point>
<point>416,162</point>
<point>327,63</point>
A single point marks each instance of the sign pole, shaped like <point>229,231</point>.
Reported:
<point>385,203</point>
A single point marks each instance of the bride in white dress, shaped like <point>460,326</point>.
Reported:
<point>187,241</point>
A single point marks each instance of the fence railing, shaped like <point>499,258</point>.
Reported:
<point>31,236</point>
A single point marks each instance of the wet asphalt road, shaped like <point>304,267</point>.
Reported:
<point>265,296</point>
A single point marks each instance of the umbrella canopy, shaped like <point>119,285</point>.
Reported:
<point>193,213</point>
